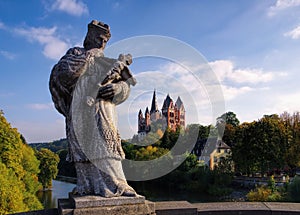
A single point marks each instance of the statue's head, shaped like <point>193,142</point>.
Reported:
<point>97,36</point>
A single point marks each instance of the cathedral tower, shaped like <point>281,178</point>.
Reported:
<point>179,113</point>
<point>154,112</point>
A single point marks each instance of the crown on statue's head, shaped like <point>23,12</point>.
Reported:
<point>99,28</point>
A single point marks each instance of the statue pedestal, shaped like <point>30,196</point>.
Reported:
<point>97,205</point>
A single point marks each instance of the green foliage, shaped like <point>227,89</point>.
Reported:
<point>54,146</point>
<point>260,194</point>
<point>31,166</point>
<point>272,184</point>
<point>149,153</point>
<point>264,194</point>
<point>169,138</point>
<point>230,118</point>
<point>292,138</point>
<point>153,146</point>
<point>11,192</point>
<point>267,193</point>
<point>294,189</point>
<point>48,166</point>
<point>229,134</point>
<point>10,147</point>
<point>189,163</point>
<point>269,143</point>
<point>203,132</point>
<point>260,145</point>
<point>19,168</point>
<point>226,165</point>
<point>276,197</point>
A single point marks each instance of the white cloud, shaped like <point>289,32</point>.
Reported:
<point>39,106</point>
<point>233,92</point>
<point>294,34</point>
<point>225,70</point>
<point>8,55</point>
<point>72,7</point>
<point>54,47</point>
<point>282,5</point>
<point>251,76</point>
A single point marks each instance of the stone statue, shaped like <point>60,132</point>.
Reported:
<point>85,88</point>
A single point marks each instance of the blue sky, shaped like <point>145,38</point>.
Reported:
<point>252,47</point>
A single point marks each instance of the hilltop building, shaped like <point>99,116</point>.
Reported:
<point>172,115</point>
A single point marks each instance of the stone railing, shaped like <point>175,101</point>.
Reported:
<point>217,208</point>
<point>227,208</point>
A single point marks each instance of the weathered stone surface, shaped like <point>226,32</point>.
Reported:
<point>175,208</point>
<point>135,209</point>
<point>99,201</point>
<point>230,205</point>
<point>283,208</point>
<point>97,205</point>
<point>248,208</point>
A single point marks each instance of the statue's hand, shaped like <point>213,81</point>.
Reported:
<point>108,91</point>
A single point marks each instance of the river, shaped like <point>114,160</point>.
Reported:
<point>59,190</point>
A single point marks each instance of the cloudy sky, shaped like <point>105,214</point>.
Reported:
<point>251,47</point>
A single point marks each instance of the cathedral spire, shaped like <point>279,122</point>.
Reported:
<point>154,107</point>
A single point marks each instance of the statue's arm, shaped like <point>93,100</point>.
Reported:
<point>123,93</point>
<point>114,92</point>
<point>63,78</point>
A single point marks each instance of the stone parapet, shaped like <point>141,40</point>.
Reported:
<point>248,208</point>
<point>178,208</point>
<point>97,205</point>
<point>175,208</point>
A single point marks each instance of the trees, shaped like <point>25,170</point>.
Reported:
<point>260,145</point>
<point>19,169</point>
<point>292,138</point>
<point>268,144</point>
<point>294,189</point>
<point>227,124</point>
<point>230,118</point>
<point>11,192</point>
<point>149,153</point>
<point>48,166</point>
<point>31,167</point>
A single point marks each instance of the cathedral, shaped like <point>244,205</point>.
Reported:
<point>172,115</point>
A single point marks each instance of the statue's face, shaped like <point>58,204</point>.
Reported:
<point>100,42</point>
<point>94,40</point>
